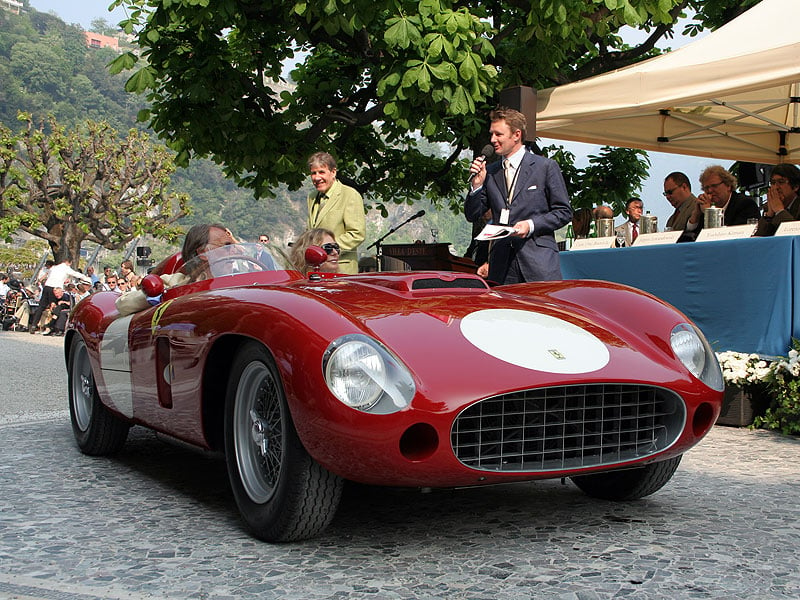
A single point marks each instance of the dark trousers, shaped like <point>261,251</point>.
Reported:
<point>44,303</point>
<point>60,316</point>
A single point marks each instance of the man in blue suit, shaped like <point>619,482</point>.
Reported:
<point>524,191</point>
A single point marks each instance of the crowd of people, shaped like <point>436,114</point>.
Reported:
<point>43,305</point>
<point>718,190</point>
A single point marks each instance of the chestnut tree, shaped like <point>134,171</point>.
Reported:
<point>372,78</point>
<point>85,184</point>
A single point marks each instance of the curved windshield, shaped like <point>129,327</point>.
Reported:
<point>233,259</point>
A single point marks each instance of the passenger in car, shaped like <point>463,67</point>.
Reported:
<point>323,238</point>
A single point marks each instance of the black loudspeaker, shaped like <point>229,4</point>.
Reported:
<point>523,99</point>
<point>752,175</point>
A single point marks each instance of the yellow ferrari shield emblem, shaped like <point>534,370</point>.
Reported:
<point>157,314</point>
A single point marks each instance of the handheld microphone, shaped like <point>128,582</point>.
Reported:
<point>486,153</point>
<point>419,214</point>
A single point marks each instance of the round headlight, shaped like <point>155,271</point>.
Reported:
<point>356,374</point>
<point>696,355</point>
<point>689,349</point>
<point>365,375</point>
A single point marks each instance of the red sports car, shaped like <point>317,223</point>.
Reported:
<point>413,379</point>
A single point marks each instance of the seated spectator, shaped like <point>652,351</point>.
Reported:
<point>59,311</point>
<point>316,237</point>
<point>82,291</point>
<point>3,285</point>
<point>629,230</point>
<point>782,202</point>
<point>678,192</point>
<point>582,223</point>
<point>602,212</point>
<point>22,307</point>
<point>718,186</point>
<point>57,277</point>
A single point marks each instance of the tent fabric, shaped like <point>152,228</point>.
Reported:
<point>733,94</point>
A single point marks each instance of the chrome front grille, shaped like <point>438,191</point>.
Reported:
<point>567,427</point>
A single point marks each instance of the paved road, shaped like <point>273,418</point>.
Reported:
<point>160,522</point>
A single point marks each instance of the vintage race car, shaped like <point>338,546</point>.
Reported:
<point>411,379</point>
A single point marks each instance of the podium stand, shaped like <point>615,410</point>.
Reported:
<point>423,257</point>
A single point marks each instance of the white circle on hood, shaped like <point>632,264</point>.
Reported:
<point>534,341</point>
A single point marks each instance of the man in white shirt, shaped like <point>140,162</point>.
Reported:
<point>630,228</point>
<point>524,191</point>
<point>58,275</point>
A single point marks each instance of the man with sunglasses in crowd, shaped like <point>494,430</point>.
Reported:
<point>782,202</point>
<point>263,256</point>
<point>718,186</point>
<point>678,192</point>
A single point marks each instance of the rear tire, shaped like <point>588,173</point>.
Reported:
<point>282,493</point>
<point>628,484</point>
<point>97,430</point>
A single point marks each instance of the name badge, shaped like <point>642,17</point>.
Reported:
<point>504,217</point>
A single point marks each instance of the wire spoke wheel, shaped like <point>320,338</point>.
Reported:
<point>282,493</point>
<point>259,435</point>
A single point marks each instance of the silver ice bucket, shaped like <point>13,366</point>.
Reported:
<point>649,224</point>
<point>605,228</point>
<point>713,218</point>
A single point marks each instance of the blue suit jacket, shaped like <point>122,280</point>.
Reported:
<point>539,195</point>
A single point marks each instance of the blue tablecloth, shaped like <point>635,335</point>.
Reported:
<point>741,293</point>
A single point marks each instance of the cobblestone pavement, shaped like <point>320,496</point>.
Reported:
<point>158,521</point>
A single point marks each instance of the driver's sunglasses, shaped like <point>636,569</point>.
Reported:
<point>329,248</point>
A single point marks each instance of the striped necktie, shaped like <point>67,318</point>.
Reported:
<point>509,171</point>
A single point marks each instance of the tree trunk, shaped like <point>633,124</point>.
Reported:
<point>68,245</point>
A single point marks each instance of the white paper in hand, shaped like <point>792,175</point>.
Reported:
<point>494,232</point>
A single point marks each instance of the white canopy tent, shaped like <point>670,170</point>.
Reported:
<point>733,94</point>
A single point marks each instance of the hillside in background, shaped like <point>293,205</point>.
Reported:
<point>47,68</point>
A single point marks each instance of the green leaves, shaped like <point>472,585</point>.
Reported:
<point>401,32</point>
<point>84,183</point>
<point>368,80</point>
<point>140,81</point>
<point>123,62</point>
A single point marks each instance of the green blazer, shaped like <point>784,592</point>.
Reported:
<point>341,211</point>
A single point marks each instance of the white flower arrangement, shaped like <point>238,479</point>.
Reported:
<point>789,366</point>
<point>775,381</point>
<point>739,368</point>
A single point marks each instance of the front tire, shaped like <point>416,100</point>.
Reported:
<point>628,484</point>
<point>97,430</point>
<point>282,493</point>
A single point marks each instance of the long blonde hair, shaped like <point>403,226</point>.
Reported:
<point>311,237</point>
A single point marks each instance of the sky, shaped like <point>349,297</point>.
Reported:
<point>84,12</point>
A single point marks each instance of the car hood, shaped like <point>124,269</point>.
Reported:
<point>454,329</point>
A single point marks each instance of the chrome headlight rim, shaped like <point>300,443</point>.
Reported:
<point>363,361</point>
<point>694,352</point>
